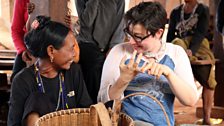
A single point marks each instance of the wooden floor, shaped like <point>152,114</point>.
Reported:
<point>187,115</point>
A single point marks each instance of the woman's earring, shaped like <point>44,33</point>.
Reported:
<point>52,59</point>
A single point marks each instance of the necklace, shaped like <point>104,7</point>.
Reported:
<point>187,25</point>
<point>192,13</point>
<point>157,56</point>
<point>61,93</point>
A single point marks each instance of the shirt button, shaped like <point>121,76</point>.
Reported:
<point>101,50</point>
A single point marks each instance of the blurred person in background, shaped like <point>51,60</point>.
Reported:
<point>101,28</point>
<point>188,26</point>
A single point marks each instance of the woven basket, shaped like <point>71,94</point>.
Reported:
<point>96,115</point>
<point>79,117</point>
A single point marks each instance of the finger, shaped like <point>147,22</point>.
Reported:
<point>147,67</point>
<point>166,71</point>
<point>153,68</point>
<point>139,57</point>
<point>159,74</point>
<point>157,69</point>
<point>135,65</point>
<point>134,54</point>
<point>131,62</point>
<point>122,63</point>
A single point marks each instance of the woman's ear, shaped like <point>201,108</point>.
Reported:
<point>50,51</point>
<point>159,33</point>
<point>77,52</point>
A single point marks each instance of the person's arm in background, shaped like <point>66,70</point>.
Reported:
<point>220,16</point>
<point>118,36</point>
<point>87,11</point>
<point>172,24</point>
<point>20,15</point>
<point>200,30</point>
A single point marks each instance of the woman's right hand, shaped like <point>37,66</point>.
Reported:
<point>130,70</point>
<point>127,73</point>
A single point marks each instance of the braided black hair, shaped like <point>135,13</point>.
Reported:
<point>46,33</point>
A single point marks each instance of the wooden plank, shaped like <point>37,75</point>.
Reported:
<point>7,54</point>
<point>6,62</point>
<point>217,112</point>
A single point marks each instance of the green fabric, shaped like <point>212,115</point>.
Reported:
<point>203,53</point>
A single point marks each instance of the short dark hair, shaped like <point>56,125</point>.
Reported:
<point>151,15</point>
<point>47,33</point>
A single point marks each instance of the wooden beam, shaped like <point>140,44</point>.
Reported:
<point>217,112</point>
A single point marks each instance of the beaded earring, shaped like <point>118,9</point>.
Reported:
<point>52,59</point>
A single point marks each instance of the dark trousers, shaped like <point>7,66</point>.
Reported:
<point>201,73</point>
<point>17,66</point>
<point>91,61</point>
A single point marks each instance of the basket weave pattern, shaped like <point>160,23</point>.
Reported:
<point>88,117</point>
<point>70,117</point>
<point>76,117</point>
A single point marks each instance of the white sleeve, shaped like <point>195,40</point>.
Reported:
<point>110,72</point>
<point>183,67</point>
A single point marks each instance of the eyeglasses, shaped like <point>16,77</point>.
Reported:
<point>136,38</point>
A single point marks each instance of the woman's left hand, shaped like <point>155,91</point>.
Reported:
<point>156,69</point>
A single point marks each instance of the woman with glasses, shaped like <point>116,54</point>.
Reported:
<point>147,64</point>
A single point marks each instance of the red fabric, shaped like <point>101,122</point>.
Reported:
<point>18,27</point>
